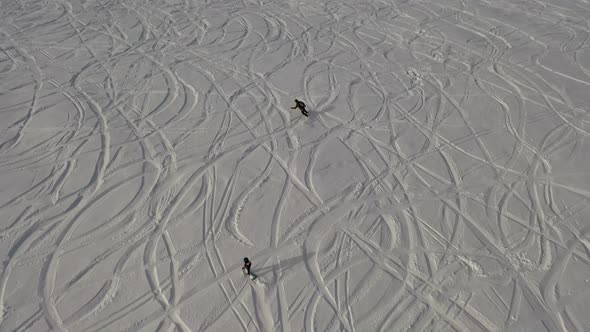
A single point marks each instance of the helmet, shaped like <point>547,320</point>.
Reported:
<point>246,260</point>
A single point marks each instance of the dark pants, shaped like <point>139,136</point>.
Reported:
<point>302,109</point>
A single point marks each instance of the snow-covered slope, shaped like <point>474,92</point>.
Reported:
<point>440,183</point>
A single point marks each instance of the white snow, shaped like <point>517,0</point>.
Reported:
<point>440,183</point>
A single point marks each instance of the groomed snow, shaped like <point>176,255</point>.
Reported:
<point>440,183</point>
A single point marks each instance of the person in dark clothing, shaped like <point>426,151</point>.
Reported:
<point>301,106</point>
<point>247,265</point>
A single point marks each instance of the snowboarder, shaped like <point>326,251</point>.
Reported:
<point>247,265</point>
<point>301,106</point>
<point>246,270</point>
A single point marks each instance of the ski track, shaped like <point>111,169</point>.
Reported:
<point>440,182</point>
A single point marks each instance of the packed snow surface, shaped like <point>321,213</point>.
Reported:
<point>440,183</point>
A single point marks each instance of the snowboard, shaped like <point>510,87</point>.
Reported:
<point>252,276</point>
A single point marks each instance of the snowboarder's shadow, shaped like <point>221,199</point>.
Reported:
<point>285,264</point>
